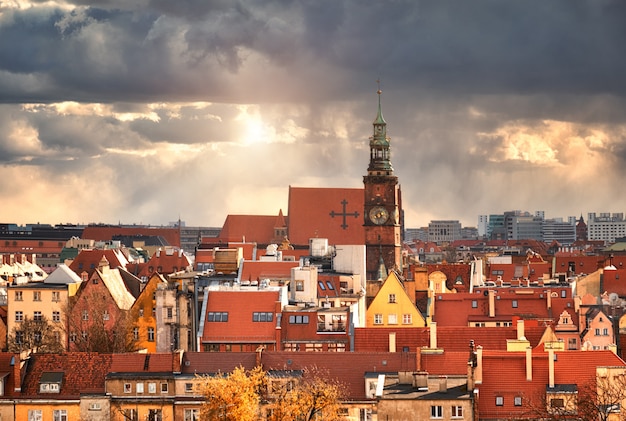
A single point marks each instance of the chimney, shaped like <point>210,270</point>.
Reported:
<point>433,335</point>
<point>492,303</point>
<point>551,368</point>
<point>17,375</point>
<point>529,364</point>
<point>549,299</point>
<point>418,359</point>
<point>259,354</point>
<point>34,258</point>
<point>392,341</point>
<point>471,366</point>
<point>478,374</point>
<point>521,336</point>
<point>443,384</point>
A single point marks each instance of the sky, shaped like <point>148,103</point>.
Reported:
<point>153,110</point>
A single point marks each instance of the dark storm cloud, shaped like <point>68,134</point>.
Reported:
<point>482,47</point>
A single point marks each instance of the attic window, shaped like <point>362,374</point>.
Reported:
<point>50,382</point>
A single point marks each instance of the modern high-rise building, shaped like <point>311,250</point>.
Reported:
<point>605,226</point>
<point>444,231</point>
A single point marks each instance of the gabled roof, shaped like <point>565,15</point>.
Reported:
<point>332,213</point>
<point>88,260</point>
<point>82,373</point>
<point>63,275</point>
<point>113,281</point>
<point>166,262</point>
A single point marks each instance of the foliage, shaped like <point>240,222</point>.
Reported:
<point>232,397</point>
<point>313,396</point>
<point>36,335</point>
<point>308,394</point>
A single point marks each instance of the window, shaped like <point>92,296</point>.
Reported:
<point>34,415</point>
<point>131,415</point>
<point>135,333</point>
<point>499,400</point>
<point>150,334</point>
<point>392,298</point>
<point>128,388</point>
<point>407,319</point>
<point>56,316</point>
<point>169,312</point>
<point>605,331</point>
<point>18,296</point>
<point>105,315</point>
<point>365,414</point>
<point>19,337</point>
<point>474,304</point>
<point>262,317</point>
<point>59,415</point>
<point>218,317</point>
<point>56,296</point>
<point>299,285</point>
<point>37,316</point>
<point>36,295</point>
<point>517,401</point>
<point>299,320</point>
<point>557,403</point>
<point>139,387</point>
<point>155,415</point>
<point>163,387</point>
<point>322,286</point>
<point>457,411</point>
<point>572,343</point>
<point>85,315</point>
<point>378,319</point>
<point>95,406</point>
<point>330,285</point>
<point>192,415</point>
<point>188,387</point>
<point>514,303</point>
<point>392,319</point>
<point>597,332</point>
<point>19,316</point>
<point>151,387</point>
<point>436,411</point>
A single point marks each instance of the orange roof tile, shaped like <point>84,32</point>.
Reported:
<point>249,228</point>
<point>258,270</point>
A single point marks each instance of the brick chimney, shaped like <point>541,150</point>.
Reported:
<point>529,364</point>
<point>17,374</point>
<point>521,335</point>
<point>478,373</point>
<point>492,303</point>
<point>433,335</point>
<point>551,368</point>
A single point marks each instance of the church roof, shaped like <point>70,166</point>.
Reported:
<point>332,213</point>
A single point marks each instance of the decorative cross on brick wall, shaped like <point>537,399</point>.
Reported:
<point>344,214</point>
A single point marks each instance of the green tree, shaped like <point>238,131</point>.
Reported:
<point>36,335</point>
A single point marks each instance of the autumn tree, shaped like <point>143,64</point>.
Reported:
<point>36,335</point>
<point>313,395</point>
<point>93,326</point>
<point>232,397</point>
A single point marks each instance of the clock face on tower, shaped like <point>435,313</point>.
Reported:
<point>378,215</point>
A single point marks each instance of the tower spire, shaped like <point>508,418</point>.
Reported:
<point>380,157</point>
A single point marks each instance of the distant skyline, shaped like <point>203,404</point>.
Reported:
<point>150,111</point>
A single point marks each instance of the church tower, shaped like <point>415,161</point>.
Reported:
<point>382,206</point>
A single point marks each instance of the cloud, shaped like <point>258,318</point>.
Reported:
<point>148,110</point>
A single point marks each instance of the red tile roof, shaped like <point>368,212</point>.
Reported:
<point>248,228</point>
<point>145,363</point>
<point>240,305</point>
<point>504,374</point>
<point>166,262</point>
<point>332,213</point>
<point>82,373</point>
<point>87,260</point>
<point>347,367</point>
<point>258,270</point>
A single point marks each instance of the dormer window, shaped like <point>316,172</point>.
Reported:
<point>50,382</point>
